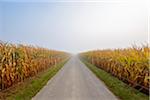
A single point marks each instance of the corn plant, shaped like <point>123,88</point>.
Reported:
<point>130,65</point>
<point>18,62</point>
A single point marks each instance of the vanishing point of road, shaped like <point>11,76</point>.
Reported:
<point>75,82</point>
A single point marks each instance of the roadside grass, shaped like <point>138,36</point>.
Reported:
<point>30,87</point>
<point>119,88</point>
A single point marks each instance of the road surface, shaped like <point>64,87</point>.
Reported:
<point>74,82</point>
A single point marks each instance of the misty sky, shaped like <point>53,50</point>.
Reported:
<point>74,26</point>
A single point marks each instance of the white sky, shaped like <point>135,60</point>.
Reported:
<point>75,26</point>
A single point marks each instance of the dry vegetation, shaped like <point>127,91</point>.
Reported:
<point>130,65</point>
<point>18,62</point>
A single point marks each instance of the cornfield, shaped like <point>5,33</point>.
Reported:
<point>130,65</point>
<point>18,62</point>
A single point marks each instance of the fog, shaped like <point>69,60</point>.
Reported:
<point>74,26</point>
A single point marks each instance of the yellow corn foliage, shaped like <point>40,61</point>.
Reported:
<point>130,65</point>
<point>18,62</point>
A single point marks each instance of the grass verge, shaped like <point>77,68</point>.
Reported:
<point>119,88</point>
<point>27,89</point>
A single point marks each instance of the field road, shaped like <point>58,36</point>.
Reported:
<point>74,82</point>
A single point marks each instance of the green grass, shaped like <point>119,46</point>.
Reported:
<point>119,88</point>
<point>26,90</point>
